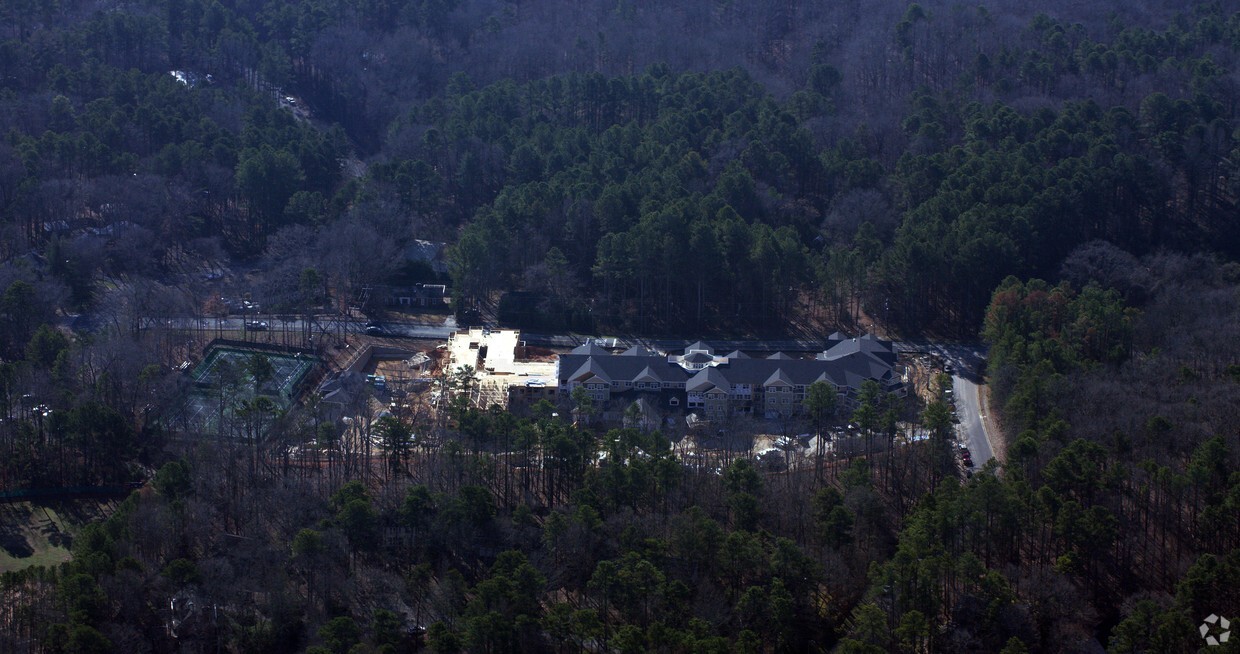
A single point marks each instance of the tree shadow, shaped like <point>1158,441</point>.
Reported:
<point>55,536</point>
<point>16,545</point>
<point>18,522</point>
<point>12,540</point>
<point>77,512</point>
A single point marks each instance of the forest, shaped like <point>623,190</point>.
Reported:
<point>1055,182</point>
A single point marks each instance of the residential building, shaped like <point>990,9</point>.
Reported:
<point>418,295</point>
<point>430,253</point>
<point>729,384</point>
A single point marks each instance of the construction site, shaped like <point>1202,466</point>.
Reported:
<point>505,368</point>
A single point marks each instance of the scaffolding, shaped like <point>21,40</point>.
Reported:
<point>490,393</point>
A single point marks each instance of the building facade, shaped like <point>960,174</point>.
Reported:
<point>720,385</point>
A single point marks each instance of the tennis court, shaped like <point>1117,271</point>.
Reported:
<point>200,409</point>
<point>200,412</point>
<point>288,369</point>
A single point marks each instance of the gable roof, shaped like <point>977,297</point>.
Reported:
<point>699,345</point>
<point>778,377</point>
<point>648,374</point>
<point>851,362</point>
<point>867,344</point>
<point>589,369</point>
<point>842,371</point>
<point>637,351</point>
<point>620,368</point>
<point>706,379</point>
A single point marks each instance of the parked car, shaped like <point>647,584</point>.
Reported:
<point>256,325</point>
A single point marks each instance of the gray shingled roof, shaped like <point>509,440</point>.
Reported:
<point>778,377</point>
<point>706,379</point>
<point>699,357</point>
<point>698,346</point>
<point>844,371</point>
<point>851,362</point>
<point>591,367</point>
<point>648,374</point>
<point>624,367</point>
<point>867,344</point>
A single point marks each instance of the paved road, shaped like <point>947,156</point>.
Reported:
<point>973,428</point>
<point>435,331</point>
<point>967,361</point>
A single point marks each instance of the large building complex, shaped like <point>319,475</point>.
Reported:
<point>719,385</point>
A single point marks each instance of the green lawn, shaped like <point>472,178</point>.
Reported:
<point>41,533</point>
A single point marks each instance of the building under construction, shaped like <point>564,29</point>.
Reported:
<point>504,372</point>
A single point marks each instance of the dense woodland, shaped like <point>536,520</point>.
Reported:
<point>1058,180</point>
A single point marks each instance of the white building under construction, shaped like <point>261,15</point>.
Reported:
<point>502,370</point>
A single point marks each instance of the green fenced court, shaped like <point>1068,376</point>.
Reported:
<point>211,397</point>
<point>289,369</point>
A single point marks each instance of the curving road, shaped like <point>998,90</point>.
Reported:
<point>966,361</point>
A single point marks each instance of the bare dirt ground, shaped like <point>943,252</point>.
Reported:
<point>533,353</point>
<point>998,438</point>
<point>439,359</point>
<point>398,369</point>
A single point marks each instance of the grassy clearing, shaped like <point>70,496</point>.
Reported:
<point>41,533</point>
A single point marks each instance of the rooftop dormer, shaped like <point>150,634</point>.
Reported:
<point>697,356</point>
